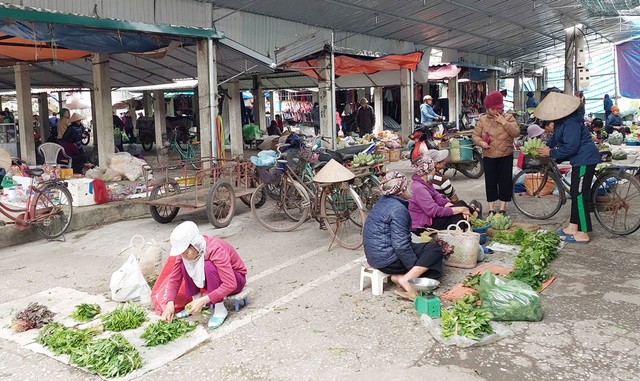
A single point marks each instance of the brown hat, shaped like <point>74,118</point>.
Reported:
<point>75,117</point>
<point>333,172</point>
<point>556,106</point>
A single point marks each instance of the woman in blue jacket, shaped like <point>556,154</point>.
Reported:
<point>387,239</point>
<point>571,141</point>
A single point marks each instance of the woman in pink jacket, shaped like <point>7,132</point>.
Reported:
<point>204,262</point>
<point>427,207</point>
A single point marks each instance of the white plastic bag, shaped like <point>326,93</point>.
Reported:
<point>128,283</point>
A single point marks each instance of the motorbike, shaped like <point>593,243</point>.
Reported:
<point>437,136</point>
<point>86,135</point>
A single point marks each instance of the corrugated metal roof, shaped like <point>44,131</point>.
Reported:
<point>511,30</point>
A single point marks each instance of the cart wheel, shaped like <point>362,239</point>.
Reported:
<point>221,204</point>
<point>147,146</point>
<point>164,214</point>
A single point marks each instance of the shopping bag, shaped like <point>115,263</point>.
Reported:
<point>159,292</point>
<point>128,283</point>
<point>509,299</point>
<point>465,245</point>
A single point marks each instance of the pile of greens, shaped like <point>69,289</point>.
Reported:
<point>110,357</point>
<point>466,319</point>
<point>130,316</point>
<point>62,340</point>
<point>34,316</point>
<point>477,222</point>
<point>517,237</point>
<point>472,281</point>
<point>160,333</point>
<point>86,312</point>
<point>532,262</point>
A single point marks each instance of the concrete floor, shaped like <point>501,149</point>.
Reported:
<point>307,319</point>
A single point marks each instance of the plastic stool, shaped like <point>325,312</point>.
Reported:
<point>240,299</point>
<point>378,278</point>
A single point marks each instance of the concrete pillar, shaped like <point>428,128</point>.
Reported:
<point>452,96</point>
<point>517,93</point>
<point>235,118</point>
<point>569,57</point>
<point>327,128</point>
<point>147,104</point>
<point>103,122</point>
<point>159,116</point>
<point>225,118</point>
<point>196,113</point>
<point>259,106</point>
<point>43,116</point>
<point>406,102</point>
<point>94,130</point>
<point>492,81</point>
<point>207,102</point>
<point>25,114</point>
<point>272,103</point>
<point>378,108</point>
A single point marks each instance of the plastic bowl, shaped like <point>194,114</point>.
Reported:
<point>482,229</point>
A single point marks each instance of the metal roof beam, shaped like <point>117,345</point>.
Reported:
<point>67,77</point>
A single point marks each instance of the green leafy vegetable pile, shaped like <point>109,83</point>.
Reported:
<point>160,333</point>
<point>532,262</point>
<point>477,222</point>
<point>130,316</point>
<point>111,357</point>
<point>86,312</point>
<point>62,340</point>
<point>499,221</point>
<point>34,316</point>
<point>465,319</point>
<point>472,281</point>
<point>517,237</point>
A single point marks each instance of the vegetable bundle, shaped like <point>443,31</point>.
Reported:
<point>532,262</point>
<point>616,138</point>
<point>110,357</point>
<point>130,316</point>
<point>34,316</point>
<point>529,147</point>
<point>160,333</point>
<point>86,312</point>
<point>517,237</point>
<point>477,222</point>
<point>499,221</point>
<point>466,319</point>
<point>364,159</point>
<point>62,340</point>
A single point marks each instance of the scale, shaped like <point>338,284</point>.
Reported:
<point>426,302</point>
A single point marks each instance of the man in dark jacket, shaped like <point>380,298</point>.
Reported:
<point>365,118</point>
<point>315,118</point>
<point>387,239</point>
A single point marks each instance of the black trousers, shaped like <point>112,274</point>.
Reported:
<point>429,255</point>
<point>498,178</point>
<point>442,223</point>
<point>581,178</point>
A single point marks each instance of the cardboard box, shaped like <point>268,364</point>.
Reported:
<point>81,191</point>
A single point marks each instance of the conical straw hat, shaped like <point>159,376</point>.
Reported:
<point>5,159</point>
<point>333,172</point>
<point>556,106</point>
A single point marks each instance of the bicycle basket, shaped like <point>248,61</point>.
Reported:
<point>269,175</point>
<point>295,161</point>
<point>534,161</point>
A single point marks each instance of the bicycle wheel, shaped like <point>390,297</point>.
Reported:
<point>168,157</point>
<point>253,183</point>
<point>221,204</point>
<point>160,213</point>
<point>616,202</point>
<point>536,193</point>
<point>368,191</point>
<point>53,210</point>
<point>194,157</point>
<point>343,215</point>
<point>280,204</point>
<point>473,170</point>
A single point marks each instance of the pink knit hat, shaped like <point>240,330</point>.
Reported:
<point>494,100</point>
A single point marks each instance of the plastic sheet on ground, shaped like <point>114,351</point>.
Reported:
<point>433,326</point>
<point>62,301</point>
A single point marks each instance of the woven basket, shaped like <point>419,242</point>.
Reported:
<point>465,245</point>
<point>532,183</point>
<point>269,175</point>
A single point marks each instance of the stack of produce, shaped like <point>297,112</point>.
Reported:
<point>86,312</point>
<point>34,316</point>
<point>466,319</point>
<point>537,250</point>
<point>529,147</point>
<point>616,138</point>
<point>499,221</point>
<point>365,159</point>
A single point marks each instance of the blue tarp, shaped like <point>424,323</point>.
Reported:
<point>83,38</point>
<point>628,55</point>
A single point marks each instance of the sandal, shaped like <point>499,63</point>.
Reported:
<point>215,322</point>
<point>404,295</point>
<point>571,239</point>
<point>477,207</point>
<point>503,212</point>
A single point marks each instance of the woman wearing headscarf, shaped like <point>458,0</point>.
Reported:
<point>571,141</point>
<point>428,208</point>
<point>387,239</point>
<point>203,262</point>
<point>494,132</point>
<point>63,122</point>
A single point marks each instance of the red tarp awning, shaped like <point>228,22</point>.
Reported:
<point>346,65</point>
<point>19,49</point>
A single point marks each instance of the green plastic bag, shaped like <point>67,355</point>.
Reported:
<point>251,132</point>
<point>509,299</point>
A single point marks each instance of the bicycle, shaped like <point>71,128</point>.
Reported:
<point>180,149</point>
<point>286,199</point>
<point>540,190</point>
<point>48,207</point>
